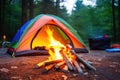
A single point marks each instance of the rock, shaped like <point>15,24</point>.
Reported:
<point>99,59</point>
<point>112,66</point>
<point>15,78</point>
<point>4,70</point>
<point>14,67</point>
<point>86,73</point>
<point>75,75</point>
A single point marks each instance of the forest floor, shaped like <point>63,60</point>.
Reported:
<point>23,68</point>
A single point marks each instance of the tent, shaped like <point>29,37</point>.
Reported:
<point>34,33</point>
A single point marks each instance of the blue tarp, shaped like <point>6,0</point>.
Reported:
<point>113,50</point>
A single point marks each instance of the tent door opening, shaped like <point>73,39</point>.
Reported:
<point>48,31</point>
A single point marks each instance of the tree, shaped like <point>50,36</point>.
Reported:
<point>93,21</point>
<point>78,5</point>
<point>31,9</point>
<point>80,19</point>
<point>114,22</point>
<point>24,11</point>
<point>2,15</point>
<point>50,7</point>
<point>118,19</point>
<point>14,13</point>
<point>27,10</point>
<point>10,17</point>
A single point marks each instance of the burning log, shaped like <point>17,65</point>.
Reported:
<point>68,63</point>
<point>52,61</point>
<point>79,69</point>
<point>48,67</point>
<point>83,62</point>
<point>47,62</point>
<point>41,64</point>
<point>58,65</point>
<point>66,59</point>
<point>65,68</point>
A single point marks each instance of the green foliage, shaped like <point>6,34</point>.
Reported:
<point>88,21</point>
<point>11,18</point>
<point>93,21</point>
<point>12,11</point>
<point>50,7</point>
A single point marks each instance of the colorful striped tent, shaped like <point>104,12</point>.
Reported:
<point>35,33</point>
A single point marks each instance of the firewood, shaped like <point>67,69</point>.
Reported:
<point>82,66</point>
<point>47,68</point>
<point>31,53</point>
<point>65,68</point>
<point>89,62</point>
<point>52,61</point>
<point>74,69</point>
<point>57,66</point>
<point>47,62</point>
<point>83,62</point>
<point>41,64</point>
<point>39,48</point>
<point>68,63</point>
<point>79,69</point>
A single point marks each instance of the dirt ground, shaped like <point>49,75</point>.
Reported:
<point>23,68</point>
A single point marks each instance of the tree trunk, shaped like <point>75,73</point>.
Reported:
<point>114,21</point>
<point>118,19</point>
<point>2,16</point>
<point>24,11</point>
<point>31,9</point>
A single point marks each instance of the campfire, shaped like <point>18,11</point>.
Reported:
<point>62,57</point>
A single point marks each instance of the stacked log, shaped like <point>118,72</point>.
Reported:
<point>77,65</point>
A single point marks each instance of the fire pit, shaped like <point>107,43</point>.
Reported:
<point>67,60</point>
<point>63,57</point>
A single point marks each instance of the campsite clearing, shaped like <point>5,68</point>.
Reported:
<point>23,68</point>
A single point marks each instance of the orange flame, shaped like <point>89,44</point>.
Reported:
<point>55,46</point>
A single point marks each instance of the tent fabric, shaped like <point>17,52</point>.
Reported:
<point>20,32</point>
<point>35,31</point>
